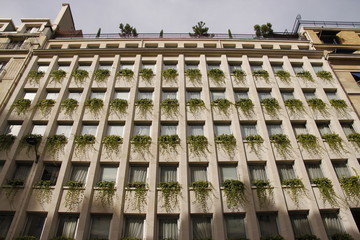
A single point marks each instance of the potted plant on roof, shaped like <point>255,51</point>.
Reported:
<point>170,193</point>
<point>239,75</point>
<point>106,192</point>
<point>6,141</point>
<point>222,104</point>
<point>45,106</point>
<point>261,74</point>
<point>69,105</point>
<point>170,74</point>
<point>84,142</point>
<point>281,143</point>
<point>55,144</point>
<point>246,106</point>
<point>195,105</point>
<point>80,75</point>
<point>101,75</point>
<point>200,31</point>
<point>140,193</point>
<point>112,144</point>
<point>217,75</point>
<point>305,75</point>
<point>194,75</point>
<point>202,191</point>
<point>126,73</point>
<point>264,30</point>
<point>127,31</point>
<point>94,105</point>
<point>170,106</point>
<point>58,75</point>
<point>283,76</point>
<point>227,142</point>
<point>21,105</point>
<point>119,106</point>
<point>271,106</point>
<point>35,76</point>
<point>294,105</point>
<point>295,188</point>
<point>169,142</point>
<point>198,144</point>
<point>324,75</point>
<point>235,193</point>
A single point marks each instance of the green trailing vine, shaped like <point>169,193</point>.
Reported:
<point>275,237</point>
<point>339,104</point>
<point>355,139</point>
<point>21,105</point>
<point>294,105</point>
<point>94,105</point>
<point>58,75</point>
<point>74,194</point>
<point>144,105</point>
<point>6,141</point>
<point>43,191</point>
<point>195,105</point>
<point>141,143</point>
<point>198,144</point>
<point>202,191</point>
<point>106,192</point>
<point>254,141</point>
<point>227,142</point>
<point>112,144</point>
<point>130,238</point>
<point>119,106</point>
<point>12,188</point>
<point>169,74</point>
<point>326,190</point>
<point>341,236</point>
<point>258,74</point>
<point>45,106</point>
<point>84,142</point>
<point>169,142</point>
<point>146,74</point>
<point>283,76</point>
<point>217,75</point>
<point>239,75</point>
<point>126,73</point>
<point>170,106</point>
<point>140,189</point>
<point>264,191</point>
<point>62,238</point>
<point>235,193</point>
<point>281,143</point>
<point>80,75</point>
<point>35,76</point>
<point>324,75</point>
<point>351,187</point>
<point>246,106</point>
<point>69,105</point>
<point>101,75</point>
<point>36,138</point>
<point>170,193</point>
<point>305,75</point>
<point>317,104</point>
<point>55,144</point>
<point>271,106</point>
<point>335,142</point>
<point>25,238</point>
<point>309,142</point>
<point>222,104</point>
<point>295,188</point>
<point>194,75</point>
<point>307,237</point>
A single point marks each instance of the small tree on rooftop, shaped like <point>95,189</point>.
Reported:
<point>127,30</point>
<point>200,30</point>
<point>264,30</point>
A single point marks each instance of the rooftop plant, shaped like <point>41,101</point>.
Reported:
<point>140,189</point>
<point>21,105</point>
<point>326,190</point>
<point>146,74</point>
<point>128,74</point>
<point>55,144</point>
<point>6,141</point>
<point>246,106</point>
<point>271,106</point>
<point>80,75</point>
<point>170,107</point>
<point>283,76</point>
<point>141,143</point>
<point>239,75</point>
<point>198,144</point>
<point>144,105</point>
<point>194,75</point>
<point>305,75</point>
<point>200,30</point>
<point>119,106</point>
<point>217,75</point>
<point>58,75</point>
<point>294,105</point>
<point>281,143</point>
<point>261,74</point>
<point>74,194</point>
<point>317,104</point>
<point>169,142</point>
<point>235,193</point>
<point>45,106</point>
<point>254,142</point>
<point>354,138</point>
<point>264,191</point>
<point>43,191</point>
<point>227,142</point>
<point>106,192</point>
<point>222,104</point>
<point>69,105</point>
<point>324,75</point>
<point>309,142</point>
<point>170,74</point>
<point>264,30</point>
<point>195,105</point>
<point>202,191</point>
<point>112,144</point>
<point>94,105</point>
<point>170,193</point>
<point>127,30</point>
<point>101,75</point>
<point>35,76</point>
<point>295,188</point>
<point>82,142</point>
<point>335,142</point>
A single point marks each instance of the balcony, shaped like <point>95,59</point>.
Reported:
<point>15,46</point>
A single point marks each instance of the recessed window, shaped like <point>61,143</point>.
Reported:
<point>50,173</point>
<point>39,129</point>
<point>248,130</point>
<point>64,66</point>
<point>193,95</point>
<point>64,129</point>
<point>138,174</point>
<point>332,223</point>
<point>168,173</point>
<point>286,171</point>
<point>89,129</point>
<point>300,224</point>
<point>297,67</point>
<point>67,226</point>
<point>168,129</point>
<point>29,95</point>
<point>201,226</point>
<point>239,94</point>
<point>34,225</point>
<point>341,169</point>
<point>257,172</point>
<point>267,46</point>
<point>52,95</point>
<point>119,94</point>
<point>198,173</point>
<point>324,128</point>
<point>317,67</point>
<point>145,95</point>
<point>235,226</point>
<point>84,66</point>
<point>213,66</point>
<point>264,95</point>
<point>268,224</point>
<point>149,66</point>
<point>299,128</point>
<point>169,65</point>
<point>115,129</point>
<point>134,227</point>
<point>43,68</point>
<point>287,95</point>
<point>234,66</point>
<point>256,66</point>
<point>169,95</point>
<point>195,129</point>
<point>125,65</point>
<point>105,65</point>
<point>248,46</point>
<point>309,94</point>
<point>314,170</point>
<point>100,226</point>
<point>215,95</point>
<point>276,67</point>
<point>274,129</point>
<point>331,95</point>
<point>21,172</point>
<point>285,47</point>
<point>79,173</point>
<point>5,220</point>
<point>140,129</point>
<point>347,128</point>
<point>168,228</point>
<point>356,76</point>
<point>96,94</point>
<point>55,46</point>
<point>222,129</point>
<point>228,172</point>
<point>13,129</point>
<point>108,173</point>
<point>75,95</point>
<point>191,66</point>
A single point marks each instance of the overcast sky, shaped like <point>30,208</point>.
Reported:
<point>174,16</point>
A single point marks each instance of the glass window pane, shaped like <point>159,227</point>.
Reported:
<point>50,173</point>
<point>286,172</point>
<point>142,130</point>
<point>257,172</point>
<point>248,130</point>
<point>21,172</point>
<point>222,129</point>
<point>191,66</point>
<point>298,68</point>
<point>168,129</point>
<point>268,226</point>
<point>168,229</point>
<point>317,68</point>
<point>287,95</point>
<point>126,66</point>
<point>52,95</point>
<point>147,65</point>
<point>314,171</point>
<point>276,67</point>
<point>324,128</point>
<point>79,174</point>
<point>29,95</point>
<point>299,129</point>
<point>255,67</point>
<point>235,227</point>
<point>89,129</point>
<point>341,169</point>
<point>99,95</point>
<point>193,94</point>
<point>169,95</point>
<point>217,95</point>
<point>300,224</point>
<point>134,227</point>
<point>115,130</point>
<point>38,129</point>
<point>168,174</point>
<point>202,227</point>
<point>64,68</point>
<point>195,130</point>
<point>347,128</point>
<point>332,223</point>
<point>274,129</point>
<point>13,129</point>
<point>75,95</point>
<point>67,226</point>
<point>198,174</point>
<point>138,174</point>
<point>100,226</point>
<point>121,95</point>
<point>309,95</point>
<point>263,95</point>
<point>64,129</point>
<point>43,68</point>
<point>228,172</point>
<point>84,67</point>
<point>5,222</point>
<point>34,225</point>
<point>331,95</point>
<point>106,66</point>
<point>145,95</point>
<point>241,94</point>
<point>108,174</point>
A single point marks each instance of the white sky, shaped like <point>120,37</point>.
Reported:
<point>178,16</point>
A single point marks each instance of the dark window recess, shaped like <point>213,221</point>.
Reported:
<point>356,214</point>
<point>356,76</point>
<point>51,173</point>
<point>329,37</point>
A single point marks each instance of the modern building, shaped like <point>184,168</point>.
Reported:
<point>280,143</point>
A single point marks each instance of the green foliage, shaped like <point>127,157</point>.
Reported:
<point>35,76</point>
<point>127,31</point>
<point>55,144</point>
<point>198,144</point>
<point>229,33</point>
<point>195,105</point>
<point>276,237</point>
<point>246,106</point>
<point>106,192</point>
<point>326,190</point>
<point>202,191</point>
<point>62,238</point>
<point>36,137</point>
<point>239,75</point>
<point>130,238</point>
<point>294,105</point>
<point>339,104</point>
<point>324,75</point>
<point>141,143</point>
<point>296,188</point>
<point>271,106</point>
<point>147,74</point>
<point>13,188</point>
<point>69,105</point>
<point>264,30</point>
<point>227,142</point>
<point>305,75</point>
<point>101,75</point>
<point>74,194</point>
<point>58,75</point>
<point>6,141</point>
<point>112,144</point>
<point>26,238</point>
<point>45,106</point>
<point>128,74</point>
<point>144,105</point>
<point>83,142</point>
<point>309,142</point>
<point>261,74</point>
<point>217,75</point>
<point>140,189</point>
<point>21,105</point>
<point>79,76</point>
<point>43,191</point>
<point>354,138</point>
<point>161,34</point>
<point>119,106</point>
<point>334,141</point>
<point>281,143</point>
<point>170,193</point>
<point>351,186</point>
<point>170,106</point>
<point>342,236</point>
<point>94,105</point>
<point>169,74</point>
<point>235,193</point>
<point>169,142</point>
<point>200,30</point>
<point>307,237</point>
<point>263,191</point>
<point>317,104</point>
<point>283,76</point>
<point>222,105</point>
<point>254,142</point>
<point>194,75</point>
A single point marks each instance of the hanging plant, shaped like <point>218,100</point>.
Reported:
<point>62,238</point>
<point>170,74</point>
<point>198,144</point>
<point>283,76</point>
<point>55,144</point>
<point>239,75</point>
<point>101,75</point>
<point>326,190</point>
<point>334,141</point>
<point>339,104</point>
<point>295,189</point>
<point>324,75</point>
<point>26,238</point>
<point>132,238</point>
<point>6,141</point>
<point>21,105</point>
<point>58,75</point>
<point>140,189</point>
<point>43,191</point>
<point>276,237</point>
<point>254,142</point>
<point>342,236</point>
<point>147,74</point>
<point>45,106</point>
<point>263,190</point>
<point>217,75</point>
<point>246,106</point>
<point>119,106</point>
<point>126,73</point>
<point>281,143</point>
<point>202,191</point>
<point>74,194</point>
<point>194,75</point>
<point>222,105</point>
<point>94,105</point>
<point>294,105</point>
<point>196,105</point>
<point>36,138</point>
<point>317,105</point>
<point>307,237</point>
<point>69,105</point>
<point>258,74</point>
<point>305,75</point>
<point>235,193</point>
<point>309,142</point>
<point>35,76</point>
<point>144,105</point>
<point>79,76</point>
<point>170,107</point>
<point>84,142</point>
<point>227,142</point>
<point>112,144</point>
<point>141,143</point>
<point>169,142</point>
<point>170,193</point>
<point>106,192</point>
<point>354,138</point>
<point>271,106</point>
<point>13,186</point>
<point>351,187</point>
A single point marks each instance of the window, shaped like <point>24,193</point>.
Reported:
<point>29,95</point>
<point>50,173</point>
<point>356,76</point>
<point>299,128</point>
<point>21,172</point>
<point>138,174</point>
<point>13,129</point>
<point>5,222</point>
<point>67,226</point>
<point>38,129</point>
<point>314,171</point>
<point>134,227</point>
<point>149,65</point>
<point>79,173</point>
<point>89,129</point>
<point>287,95</point>
<point>193,94</point>
<point>64,67</point>
<point>332,223</point>
<point>323,128</point>
<point>75,95</point>
<point>235,226</point>
<point>257,172</point>
<point>248,129</point>
<point>105,65</point>
<point>99,95</point>
<point>34,225</point>
<point>341,169</point>
<point>222,129</point>
<point>2,66</point>
<point>300,224</point>
<point>331,95</point>
<point>309,94</point>
<point>168,129</point>
<point>297,68</point>
<point>198,173</point>
<point>264,95</point>
<point>43,68</point>
<point>108,173</point>
<point>276,67</point>
<point>201,227</point>
<point>286,171</point>
<point>195,129</point>
<point>213,66</point>
<point>168,173</point>
<point>317,67</point>
<point>170,66</point>
<point>32,29</point>
<point>142,130</point>
<point>144,95</point>
<point>115,130</point>
<point>228,172</point>
<point>169,95</point>
<point>168,228</point>
<point>215,95</point>
<point>234,66</point>
<point>121,94</point>
<point>256,66</point>
<point>64,129</point>
<point>191,66</point>
<point>268,225</point>
<point>84,66</point>
<point>126,65</point>
<point>274,129</point>
<point>241,94</point>
<point>347,128</point>
<point>100,226</point>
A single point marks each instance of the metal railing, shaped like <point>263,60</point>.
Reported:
<point>15,46</point>
<point>328,24</point>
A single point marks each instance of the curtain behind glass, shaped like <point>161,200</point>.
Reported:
<point>99,95</point>
<point>198,174</point>
<point>138,174</point>
<point>79,173</point>
<point>217,95</point>
<point>89,129</point>
<point>276,68</point>
<point>324,128</point>
<point>257,172</point>
<point>34,225</point>
<point>5,222</point>
<point>134,227</point>
<point>195,130</point>
<point>121,95</point>
<point>64,129</point>
<point>256,67</point>
<point>193,94</point>
<point>298,68</point>
<point>317,68</point>
<point>168,174</point>
<point>13,129</point>
<point>228,172</point>
<point>309,95</point>
<point>168,129</point>
<point>29,95</point>
<point>115,130</point>
<point>241,94</point>
<point>287,95</point>
<point>39,129</point>
<point>142,130</point>
<point>347,128</point>
<point>21,172</point>
<point>300,225</point>
<point>299,129</point>
<point>202,228</point>
<point>274,129</point>
<point>248,130</point>
<point>268,225</point>
<point>143,95</point>
<point>263,95</point>
<point>286,171</point>
<point>235,227</point>
<point>222,129</point>
<point>314,171</point>
<point>169,95</point>
<point>341,170</point>
<point>51,95</point>
<point>331,95</point>
<point>168,229</point>
<point>68,227</point>
<point>108,174</point>
<point>332,223</point>
<point>100,227</point>
<point>75,95</point>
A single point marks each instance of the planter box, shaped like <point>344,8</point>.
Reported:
<point>160,204</point>
<point>195,207</point>
<point>241,207</point>
<point>129,206</point>
<point>75,207</point>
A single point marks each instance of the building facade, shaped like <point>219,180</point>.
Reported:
<point>223,115</point>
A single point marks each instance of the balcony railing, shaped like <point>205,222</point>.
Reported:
<point>15,46</point>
